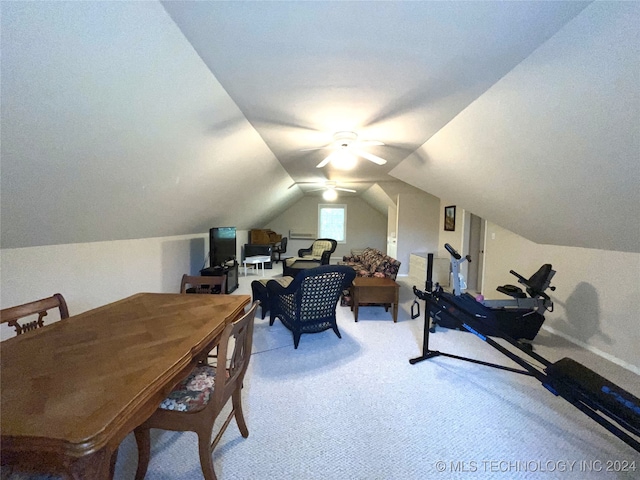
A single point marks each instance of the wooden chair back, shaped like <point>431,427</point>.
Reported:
<point>203,284</point>
<point>236,339</point>
<point>16,317</point>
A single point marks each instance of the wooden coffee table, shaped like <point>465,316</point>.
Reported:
<point>374,290</point>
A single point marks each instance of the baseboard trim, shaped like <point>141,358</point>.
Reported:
<point>594,350</point>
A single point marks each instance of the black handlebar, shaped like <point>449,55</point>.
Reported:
<point>521,279</point>
<point>452,251</point>
<point>455,254</point>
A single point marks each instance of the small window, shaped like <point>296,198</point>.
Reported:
<point>332,222</point>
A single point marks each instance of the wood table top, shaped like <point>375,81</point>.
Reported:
<point>374,282</point>
<point>85,381</point>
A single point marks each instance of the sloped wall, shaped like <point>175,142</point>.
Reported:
<point>551,150</point>
<point>115,129</point>
<point>597,296</point>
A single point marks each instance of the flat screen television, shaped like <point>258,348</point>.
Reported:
<point>222,245</point>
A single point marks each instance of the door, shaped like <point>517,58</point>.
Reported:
<point>476,250</point>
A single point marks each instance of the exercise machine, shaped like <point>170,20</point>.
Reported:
<point>600,399</point>
<point>536,286</point>
<point>520,317</point>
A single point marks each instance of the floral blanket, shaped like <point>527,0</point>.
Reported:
<point>373,263</point>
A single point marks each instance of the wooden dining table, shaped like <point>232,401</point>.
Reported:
<point>73,390</point>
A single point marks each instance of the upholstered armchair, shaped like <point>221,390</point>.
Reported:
<point>308,304</point>
<point>321,249</point>
<point>319,253</point>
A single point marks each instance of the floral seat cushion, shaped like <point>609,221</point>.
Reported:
<point>193,393</point>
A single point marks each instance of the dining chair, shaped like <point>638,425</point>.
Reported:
<point>16,316</point>
<point>203,284</point>
<point>195,403</point>
<point>206,284</point>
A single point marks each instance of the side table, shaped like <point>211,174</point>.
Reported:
<point>256,260</point>
<point>374,290</point>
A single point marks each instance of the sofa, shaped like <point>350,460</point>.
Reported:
<point>373,263</point>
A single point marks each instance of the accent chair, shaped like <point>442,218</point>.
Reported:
<point>308,304</point>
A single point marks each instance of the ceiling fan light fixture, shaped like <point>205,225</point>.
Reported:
<point>330,194</point>
<point>347,143</point>
<point>345,137</point>
<point>343,159</point>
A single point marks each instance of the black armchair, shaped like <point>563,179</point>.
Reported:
<point>319,253</point>
<point>321,249</point>
<point>308,304</point>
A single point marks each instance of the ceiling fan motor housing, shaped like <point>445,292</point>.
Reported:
<point>345,138</point>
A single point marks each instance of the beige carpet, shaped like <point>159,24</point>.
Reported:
<point>354,408</point>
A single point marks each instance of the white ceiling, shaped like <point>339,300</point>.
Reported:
<point>139,119</point>
<point>391,71</point>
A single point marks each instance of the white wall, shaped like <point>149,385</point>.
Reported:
<point>597,296</point>
<point>92,274</point>
<point>551,150</point>
<point>417,226</point>
<point>454,238</point>
<point>113,128</point>
<point>366,226</point>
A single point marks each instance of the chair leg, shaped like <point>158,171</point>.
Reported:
<point>335,329</point>
<point>114,460</point>
<point>143,440</point>
<point>296,339</point>
<point>204,449</point>
<point>237,407</point>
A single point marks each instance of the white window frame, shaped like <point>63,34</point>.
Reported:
<point>322,234</point>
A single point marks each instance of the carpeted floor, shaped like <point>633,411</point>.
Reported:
<point>354,408</point>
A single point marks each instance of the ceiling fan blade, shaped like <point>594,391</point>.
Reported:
<point>318,183</point>
<point>323,162</point>
<point>316,189</point>
<point>370,143</point>
<point>345,189</point>
<point>371,157</point>
<point>316,148</point>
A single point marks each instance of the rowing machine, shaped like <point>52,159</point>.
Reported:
<point>520,317</point>
<point>604,402</point>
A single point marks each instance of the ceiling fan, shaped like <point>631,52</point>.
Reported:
<point>330,189</point>
<point>323,186</point>
<point>348,143</point>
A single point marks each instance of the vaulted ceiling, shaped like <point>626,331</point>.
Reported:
<point>140,119</point>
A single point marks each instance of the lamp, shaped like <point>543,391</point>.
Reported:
<point>330,194</point>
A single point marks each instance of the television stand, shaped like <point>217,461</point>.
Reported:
<point>231,270</point>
